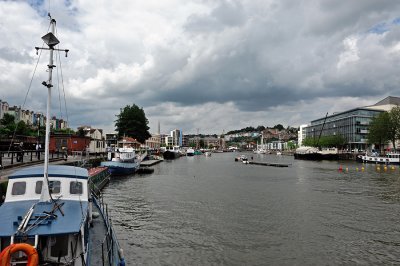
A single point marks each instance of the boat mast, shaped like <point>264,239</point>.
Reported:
<point>323,125</point>
<point>51,40</point>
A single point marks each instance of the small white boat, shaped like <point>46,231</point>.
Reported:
<point>241,158</point>
<point>390,158</point>
<point>278,153</point>
<point>190,152</point>
<point>208,154</point>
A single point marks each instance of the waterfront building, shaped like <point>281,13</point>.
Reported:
<point>27,117</point>
<point>16,112</point>
<point>276,145</point>
<point>174,138</point>
<point>185,141</point>
<point>212,142</point>
<point>129,142</point>
<point>163,138</point>
<point>68,142</point>
<point>97,141</point>
<point>153,143</point>
<point>352,124</point>
<point>111,140</point>
<point>3,108</point>
<point>301,135</point>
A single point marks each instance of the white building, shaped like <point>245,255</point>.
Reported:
<point>97,141</point>
<point>301,135</point>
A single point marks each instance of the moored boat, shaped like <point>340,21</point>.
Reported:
<point>190,152</point>
<point>241,158</point>
<point>122,161</point>
<point>98,178</point>
<point>314,154</point>
<point>390,158</point>
<point>50,213</point>
<point>170,154</point>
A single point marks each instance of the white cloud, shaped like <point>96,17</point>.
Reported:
<point>211,65</point>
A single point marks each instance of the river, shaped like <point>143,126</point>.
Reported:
<point>215,211</point>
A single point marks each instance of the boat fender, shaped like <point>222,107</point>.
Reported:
<point>30,251</point>
<point>95,215</point>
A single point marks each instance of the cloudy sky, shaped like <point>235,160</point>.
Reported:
<point>209,64</point>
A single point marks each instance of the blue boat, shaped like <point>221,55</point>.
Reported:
<point>50,215</point>
<point>63,230</point>
<point>122,161</point>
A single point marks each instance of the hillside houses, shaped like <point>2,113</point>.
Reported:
<point>30,118</point>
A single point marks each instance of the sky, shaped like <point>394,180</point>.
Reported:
<point>207,65</point>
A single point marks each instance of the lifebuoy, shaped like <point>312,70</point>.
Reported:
<point>30,251</point>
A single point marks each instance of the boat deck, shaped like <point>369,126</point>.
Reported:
<point>96,238</point>
<point>103,246</point>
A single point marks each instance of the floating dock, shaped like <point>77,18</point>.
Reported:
<point>149,163</point>
<point>269,164</point>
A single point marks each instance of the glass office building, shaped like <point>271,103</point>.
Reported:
<point>352,124</point>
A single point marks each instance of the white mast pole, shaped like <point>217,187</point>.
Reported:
<point>45,196</point>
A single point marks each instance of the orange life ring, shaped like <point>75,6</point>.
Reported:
<point>30,251</point>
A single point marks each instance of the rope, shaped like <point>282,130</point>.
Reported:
<point>63,87</point>
<point>26,95</point>
<point>58,86</point>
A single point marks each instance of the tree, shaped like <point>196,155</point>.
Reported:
<point>7,119</point>
<point>81,132</point>
<point>279,127</point>
<point>132,122</point>
<point>7,125</point>
<point>260,128</point>
<point>309,141</point>
<point>22,129</point>
<point>394,115</point>
<point>379,129</point>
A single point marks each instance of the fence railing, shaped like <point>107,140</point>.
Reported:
<point>19,157</point>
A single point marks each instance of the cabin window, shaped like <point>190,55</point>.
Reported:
<point>75,188</point>
<point>38,187</point>
<point>18,188</point>
<point>54,187</point>
<point>59,246</point>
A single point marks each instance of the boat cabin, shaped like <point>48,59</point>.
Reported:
<point>51,226</point>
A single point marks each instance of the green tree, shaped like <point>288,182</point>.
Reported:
<point>309,141</point>
<point>7,125</point>
<point>260,128</point>
<point>23,129</point>
<point>394,132</point>
<point>132,122</point>
<point>332,141</point>
<point>379,129</point>
<point>7,120</point>
<point>279,127</point>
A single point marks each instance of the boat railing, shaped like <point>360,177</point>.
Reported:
<point>111,252</point>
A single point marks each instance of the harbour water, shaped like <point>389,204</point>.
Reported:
<point>215,211</point>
